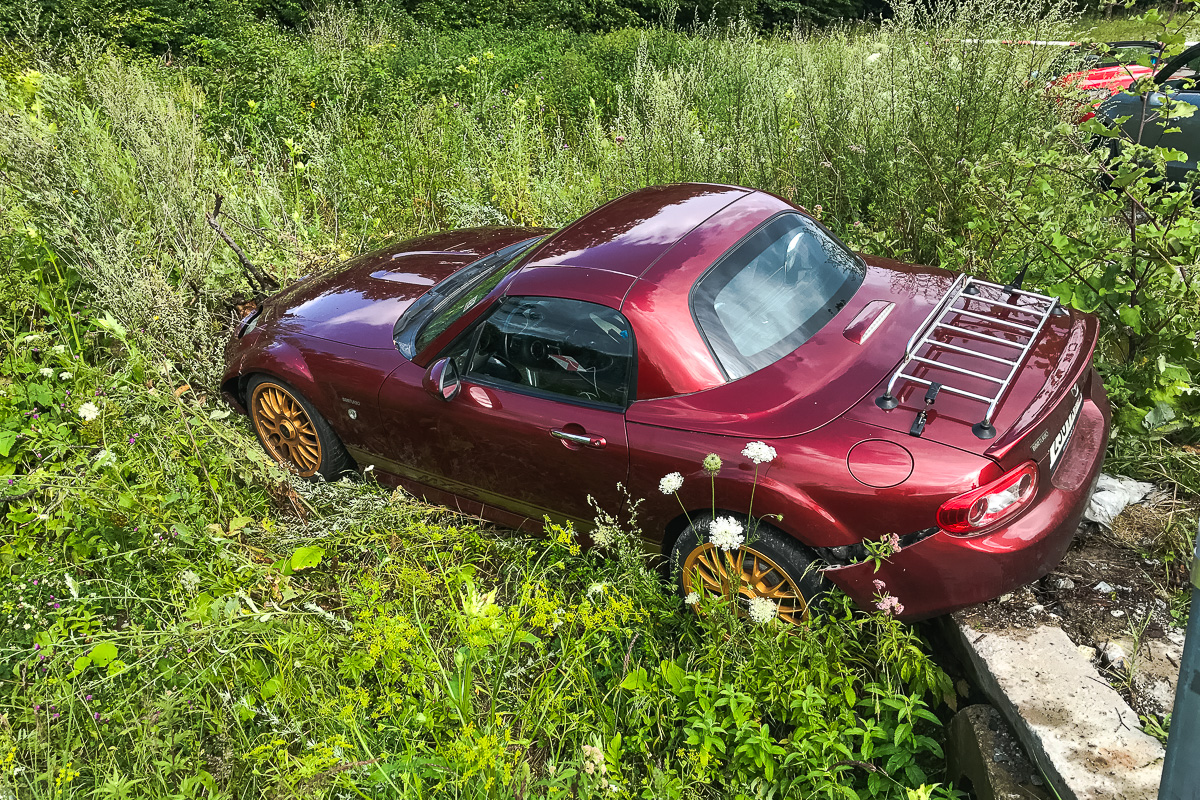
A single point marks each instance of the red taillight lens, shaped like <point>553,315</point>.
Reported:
<point>983,507</point>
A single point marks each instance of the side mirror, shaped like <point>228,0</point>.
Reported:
<point>442,379</point>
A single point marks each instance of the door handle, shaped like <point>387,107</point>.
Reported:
<point>584,439</point>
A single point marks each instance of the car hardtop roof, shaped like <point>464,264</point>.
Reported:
<point>630,233</point>
<point>599,257</point>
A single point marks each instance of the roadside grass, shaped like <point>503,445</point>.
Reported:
<point>200,625</point>
<point>184,619</point>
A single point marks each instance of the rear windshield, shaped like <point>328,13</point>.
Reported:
<point>772,292</point>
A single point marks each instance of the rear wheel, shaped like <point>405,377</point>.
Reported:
<point>293,432</point>
<point>771,565</point>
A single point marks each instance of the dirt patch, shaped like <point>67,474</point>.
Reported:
<point>1113,598</point>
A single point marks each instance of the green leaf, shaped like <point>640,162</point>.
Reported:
<point>1131,316</point>
<point>1158,416</point>
<point>1085,298</point>
<point>81,663</point>
<point>638,679</point>
<point>7,440</point>
<point>270,688</point>
<point>103,653</point>
<point>306,557</point>
<point>674,675</point>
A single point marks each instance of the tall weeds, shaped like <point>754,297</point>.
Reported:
<point>358,131</point>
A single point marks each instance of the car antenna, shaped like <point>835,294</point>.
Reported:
<point>1015,284</point>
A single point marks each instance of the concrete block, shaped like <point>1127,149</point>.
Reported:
<point>1077,729</point>
<point>981,748</point>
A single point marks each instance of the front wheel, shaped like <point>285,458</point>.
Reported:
<point>770,565</point>
<point>293,432</point>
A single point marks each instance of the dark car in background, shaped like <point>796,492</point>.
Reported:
<point>1149,120</point>
<point>1087,74</point>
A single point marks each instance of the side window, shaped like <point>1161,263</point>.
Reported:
<point>553,346</point>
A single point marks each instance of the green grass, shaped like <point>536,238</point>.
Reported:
<point>204,626</point>
<point>185,619</point>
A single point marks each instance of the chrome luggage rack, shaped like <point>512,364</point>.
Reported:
<point>1041,310</point>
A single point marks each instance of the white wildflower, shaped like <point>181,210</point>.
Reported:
<point>88,412</point>
<point>871,59</point>
<point>726,533</point>
<point>604,536</point>
<point>596,588</point>
<point>64,376</point>
<point>759,452</point>
<point>670,483</point>
<point>46,372</point>
<point>762,610</point>
<point>58,349</point>
<point>190,581</point>
<point>692,598</point>
<point>71,587</point>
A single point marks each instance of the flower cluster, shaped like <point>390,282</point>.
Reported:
<point>670,483</point>
<point>759,452</point>
<point>88,412</point>
<point>593,764</point>
<point>762,610</point>
<point>889,605</point>
<point>726,533</point>
<point>692,598</point>
<point>712,463</point>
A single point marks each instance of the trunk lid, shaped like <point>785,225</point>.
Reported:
<point>1036,408</point>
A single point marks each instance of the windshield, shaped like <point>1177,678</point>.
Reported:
<point>772,292</point>
<point>434,312</point>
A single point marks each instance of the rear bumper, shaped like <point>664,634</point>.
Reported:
<point>944,573</point>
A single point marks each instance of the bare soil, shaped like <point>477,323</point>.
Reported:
<point>1114,588</point>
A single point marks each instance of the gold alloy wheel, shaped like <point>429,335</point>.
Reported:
<point>719,572</point>
<point>285,428</point>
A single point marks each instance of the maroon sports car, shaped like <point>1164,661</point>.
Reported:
<point>956,426</point>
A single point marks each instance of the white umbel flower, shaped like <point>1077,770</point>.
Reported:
<point>88,412</point>
<point>692,598</point>
<point>759,452</point>
<point>46,372</point>
<point>726,533</point>
<point>670,483</point>
<point>64,376</point>
<point>762,610</point>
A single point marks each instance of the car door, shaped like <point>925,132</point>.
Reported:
<point>538,421</point>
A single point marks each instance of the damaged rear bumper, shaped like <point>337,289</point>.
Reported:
<point>943,573</point>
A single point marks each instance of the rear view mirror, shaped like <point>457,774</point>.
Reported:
<point>442,379</point>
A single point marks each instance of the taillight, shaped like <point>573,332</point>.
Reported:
<point>983,507</point>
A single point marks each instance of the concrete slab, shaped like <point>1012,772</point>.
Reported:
<point>982,752</point>
<point>1082,735</point>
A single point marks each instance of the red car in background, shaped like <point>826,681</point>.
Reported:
<point>1088,74</point>
<point>922,440</point>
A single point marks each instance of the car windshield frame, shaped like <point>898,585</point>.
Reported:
<point>726,347</point>
<point>412,323</point>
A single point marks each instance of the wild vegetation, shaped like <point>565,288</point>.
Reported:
<point>183,619</point>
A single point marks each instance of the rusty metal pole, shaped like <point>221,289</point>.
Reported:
<point>1181,770</point>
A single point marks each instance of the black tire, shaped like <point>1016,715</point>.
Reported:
<point>293,432</point>
<point>793,578</point>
